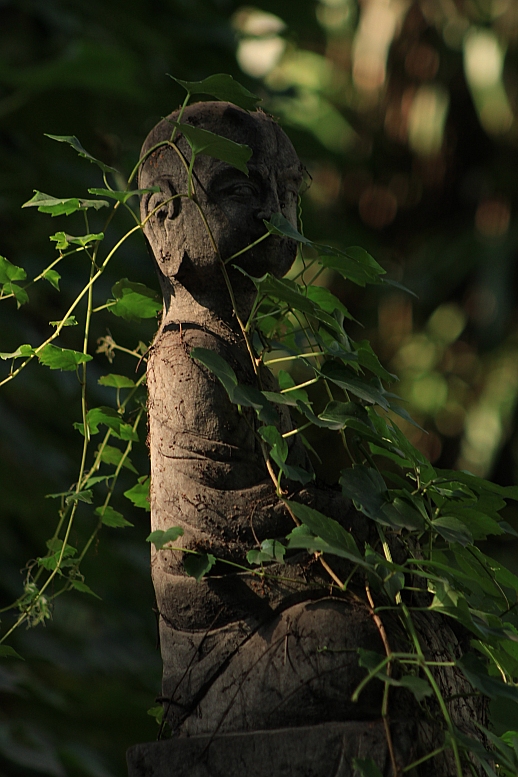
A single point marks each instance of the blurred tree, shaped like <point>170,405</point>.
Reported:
<point>404,114</point>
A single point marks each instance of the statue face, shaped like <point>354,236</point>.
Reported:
<point>233,203</point>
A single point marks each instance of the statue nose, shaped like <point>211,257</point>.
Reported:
<point>268,207</point>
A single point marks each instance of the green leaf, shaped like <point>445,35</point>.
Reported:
<point>134,301</point>
<point>116,381</point>
<point>110,517</point>
<point>279,225</point>
<point>61,358</point>
<point>110,418</point>
<point>271,550</point>
<point>76,145</point>
<point>223,87</point>
<point>160,538</point>
<point>139,493</point>
<point>326,300</point>
<point>157,713</point>
<point>70,321</point>
<point>279,454</point>
<point>6,651</point>
<point>342,376</point>
<point>113,456</point>
<point>353,264</point>
<point>367,767</point>
<point>204,142</point>
<point>64,240</point>
<point>10,272</point>
<point>53,277</point>
<point>19,294</point>
<point>333,533</point>
<point>247,396</point>
<point>366,488</point>
<point>453,530</point>
<point>475,671</point>
<point>79,585</point>
<point>197,565</point>
<point>61,206</point>
<point>59,555</point>
<point>21,352</point>
<point>419,687</point>
<point>122,196</point>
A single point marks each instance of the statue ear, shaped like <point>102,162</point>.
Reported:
<point>158,209</point>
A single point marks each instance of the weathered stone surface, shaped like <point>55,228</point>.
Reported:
<point>307,751</point>
<point>262,670</point>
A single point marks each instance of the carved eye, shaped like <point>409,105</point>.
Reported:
<point>240,190</point>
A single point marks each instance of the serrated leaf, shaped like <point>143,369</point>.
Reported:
<point>79,585</point>
<point>475,671</point>
<point>116,381</point>
<point>247,396</point>
<point>57,206</point>
<point>159,538</point>
<point>64,240</point>
<point>110,517</point>
<point>223,87</point>
<point>114,456</point>
<point>18,292</point>
<point>327,528</point>
<point>70,321</point>
<point>53,277</point>
<point>279,225</point>
<point>453,530</point>
<point>197,565</point>
<point>205,142</point>
<point>419,687</point>
<point>123,196</point>
<point>6,651</point>
<point>139,493</point>
<point>59,555</point>
<point>62,358</point>
<point>76,145</point>
<point>366,488</point>
<point>10,272</point>
<point>134,301</point>
<point>110,418</point>
<point>342,376</point>
<point>271,550</point>
<point>21,352</point>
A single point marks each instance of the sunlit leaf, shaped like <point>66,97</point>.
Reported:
<point>62,358</point>
<point>204,142</point>
<point>64,240</point>
<point>53,277</point>
<point>70,321</point>
<point>10,272</point>
<point>159,538</point>
<point>134,301</point>
<point>116,381</point>
<point>114,456</point>
<point>139,493</point>
<point>21,352</point>
<point>328,529</point>
<point>223,87</point>
<point>18,292</point>
<point>76,145</point>
<point>61,206</point>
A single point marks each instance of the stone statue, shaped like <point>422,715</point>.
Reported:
<point>241,654</point>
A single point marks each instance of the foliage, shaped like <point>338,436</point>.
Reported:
<point>96,70</point>
<point>293,322</point>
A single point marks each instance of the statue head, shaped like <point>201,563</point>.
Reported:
<point>188,250</point>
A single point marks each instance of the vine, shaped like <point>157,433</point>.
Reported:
<point>439,515</point>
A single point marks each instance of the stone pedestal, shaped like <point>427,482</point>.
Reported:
<point>325,750</point>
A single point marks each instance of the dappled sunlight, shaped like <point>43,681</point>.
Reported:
<point>379,22</point>
<point>483,65</point>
